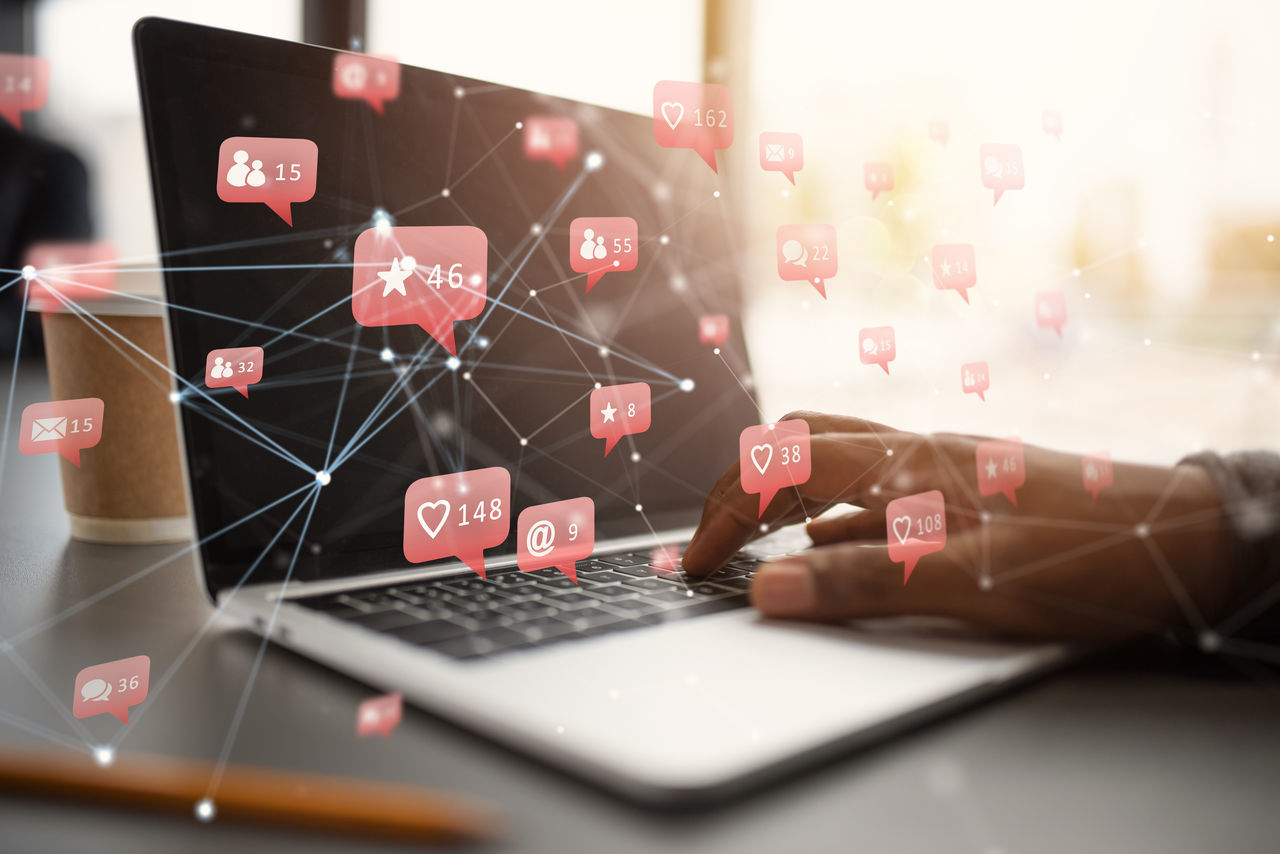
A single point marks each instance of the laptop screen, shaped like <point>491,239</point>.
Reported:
<point>379,407</point>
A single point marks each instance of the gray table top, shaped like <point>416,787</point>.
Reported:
<point>1149,750</point>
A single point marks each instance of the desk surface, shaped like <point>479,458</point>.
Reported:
<point>1151,750</point>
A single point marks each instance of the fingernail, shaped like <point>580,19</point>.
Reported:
<point>784,589</point>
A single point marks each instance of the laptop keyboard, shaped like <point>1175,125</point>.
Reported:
<point>468,617</point>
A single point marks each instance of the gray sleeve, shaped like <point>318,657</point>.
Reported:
<point>1248,484</point>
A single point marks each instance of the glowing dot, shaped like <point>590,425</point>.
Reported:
<point>28,272</point>
<point>519,125</point>
<point>875,489</point>
<point>1046,375</point>
<point>1088,295</point>
<point>891,203</point>
<point>635,456</point>
<point>323,478</point>
<point>466,375</point>
<point>985,582</point>
<point>1271,238</point>
<point>1208,115</point>
<point>604,352</point>
<point>771,426</point>
<point>1076,272</point>
<point>995,302</point>
<point>174,396</point>
<point>764,526</point>
<point>475,280</point>
<point>1256,357</point>
<point>386,355</point>
<point>523,441</point>
<point>560,729</point>
<point>617,263</point>
<point>445,192</point>
<point>808,519</point>
<point>593,161</point>
<point>482,342</point>
<point>459,92</point>
<point>536,228</point>
<point>1142,530</point>
<point>453,363</point>
<point>946,232</point>
<point>104,755</point>
<point>889,452</point>
<point>639,508</point>
<point>786,193</point>
<point>614,693</point>
<point>1210,641</point>
<point>532,294</point>
<point>205,810</point>
<point>1142,244</point>
<point>985,517</point>
<point>716,351</point>
<point>716,194</point>
<point>664,239</point>
<point>687,384</point>
<point>597,385</point>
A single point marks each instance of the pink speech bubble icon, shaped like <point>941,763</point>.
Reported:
<point>603,244</point>
<point>111,688</point>
<point>379,715</point>
<point>954,268</point>
<point>1001,168</point>
<point>233,367</point>
<point>1097,472</point>
<point>619,410</point>
<point>429,275</point>
<point>772,457</point>
<point>74,269</point>
<point>1000,468</point>
<point>558,534</point>
<point>877,345</point>
<point>66,427</point>
<point>975,379</point>
<point>372,79</point>
<point>878,177</point>
<point>782,152</point>
<point>713,329</point>
<point>940,131</point>
<point>917,526</point>
<point>693,115</point>
<point>807,253</point>
<point>274,171</point>
<point>24,85</point>
<point>1051,310</point>
<point>551,138</point>
<point>1051,121</point>
<point>457,515</point>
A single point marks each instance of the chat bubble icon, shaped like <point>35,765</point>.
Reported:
<point>73,269</point>
<point>372,79</point>
<point>1051,121</point>
<point>772,457</point>
<point>1000,468</point>
<point>111,688</point>
<point>954,268</point>
<point>603,244</point>
<point>940,131</point>
<point>1002,168</point>
<point>457,515</point>
<point>693,115</point>
<point>782,152</point>
<point>619,410</point>
<point>807,253</point>
<point>24,85</point>
<point>877,345</point>
<point>65,427</point>
<point>1051,310</point>
<point>379,715</point>
<point>274,171</point>
<point>552,139</point>
<point>1097,472</point>
<point>713,329</point>
<point>557,535</point>
<point>430,276</point>
<point>233,367</point>
<point>877,177</point>
<point>975,378</point>
<point>917,526</point>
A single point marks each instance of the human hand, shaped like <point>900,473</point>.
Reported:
<point>1149,553</point>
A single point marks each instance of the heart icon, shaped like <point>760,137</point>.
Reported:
<point>672,108</point>
<point>431,532</point>
<point>759,451</point>
<point>903,522</point>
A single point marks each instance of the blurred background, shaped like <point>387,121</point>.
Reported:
<point>1156,212</point>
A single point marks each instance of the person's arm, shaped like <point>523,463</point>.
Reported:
<point>1152,552</point>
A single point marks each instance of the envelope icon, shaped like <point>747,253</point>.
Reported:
<point>49,429</point>
<point>773,153</point>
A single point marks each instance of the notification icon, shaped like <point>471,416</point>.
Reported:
<point>233,367</point>
<point>273,171</point>
<point>457,515</point>
<point>374,80</point>
<point>940,131</point>
<point>877,346</point>
<point>1001,168</point>
<point>693,115</point>
<point>975,379</point>
<point>917,527</point>
<point>74,269</point>
<point>379,715</point>
<point>111,688</point>
<point>1051,121</point>
<point>65,427</point>
<point>782,152</point>
<point>24,85</point>
<point>603,244</point>
<point>558,534</point>
<point>772,457</point>
<point>551,138</point>
<point>1000,468</point>
<point>430,276</point>
<point>1051,310</point>
<point>619,410</point>
<point>1097,471</point>
<point>807,253</point>
<point>878,177</point>
<point>954,268</point>
<point>713,329</point>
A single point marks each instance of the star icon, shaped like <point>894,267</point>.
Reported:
<point>991,469</point>
<point>946,269</point>
<point>608,413</point>
<point>396,275</point>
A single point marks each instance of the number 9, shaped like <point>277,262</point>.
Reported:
<point>573,532</point>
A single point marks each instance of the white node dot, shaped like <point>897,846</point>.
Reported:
<point>664,239</point>
<point>560,730</point>
<point>614,693</point>
<point>604,352</point>
<point>716,194</point>
<point>770,426</point>
<point>891,203</point>
<point>1210,641</point>
<point>889,452</point>
<point>532,294</point>
<point>445,192</point>
<point>536,228</point>
<point>104,755</point>
<point>459,92</point>
<point>786,194</point>
<point>174,397</point>
<point>617,263</point>
<point>808,519</point>
<point>875,489</point>
<point>28,272</point>
<point>523,441</point>
<point>205,811</point>
<point>639,508</point>
<point>386,355</point>
<point>985,582</point>
<point>466,375</point>
<point>1076,272</point>
<point>687,384</point>
<point>453,363</point>
<point>1256,356</point>
<point>475,280</point>
<point>985,517</point>
<point>323,478</point>
<point>1142,530</point>
<point>635,456</point>
<point>1146,342</point>
<point>1046,375</point>
<point>716,351</point>
<point>598,385</point>
<point>764,527</point>
<point>1088,295</point>
<point>482,342</point>
<point>519,125</point>
<point>1271,238</point>
<point>593,161</point>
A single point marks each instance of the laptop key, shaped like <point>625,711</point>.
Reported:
<point>560,583</point>
<point>630,559</point>
<point>590,567</point>
<point>432,631</point>
<point>545,628</point>
<point>650,584</point>
<point>386,621</point>
<point>526,610</point>
<point>611,591</point>
<point>512,579</point>
<point>638,571</point>
<point>571,599</point>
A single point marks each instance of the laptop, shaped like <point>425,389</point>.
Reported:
<point>661,688</point>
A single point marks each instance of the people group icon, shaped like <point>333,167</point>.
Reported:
<point>593,248</point>
<point>242,174</point>
<point>221,369</point>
